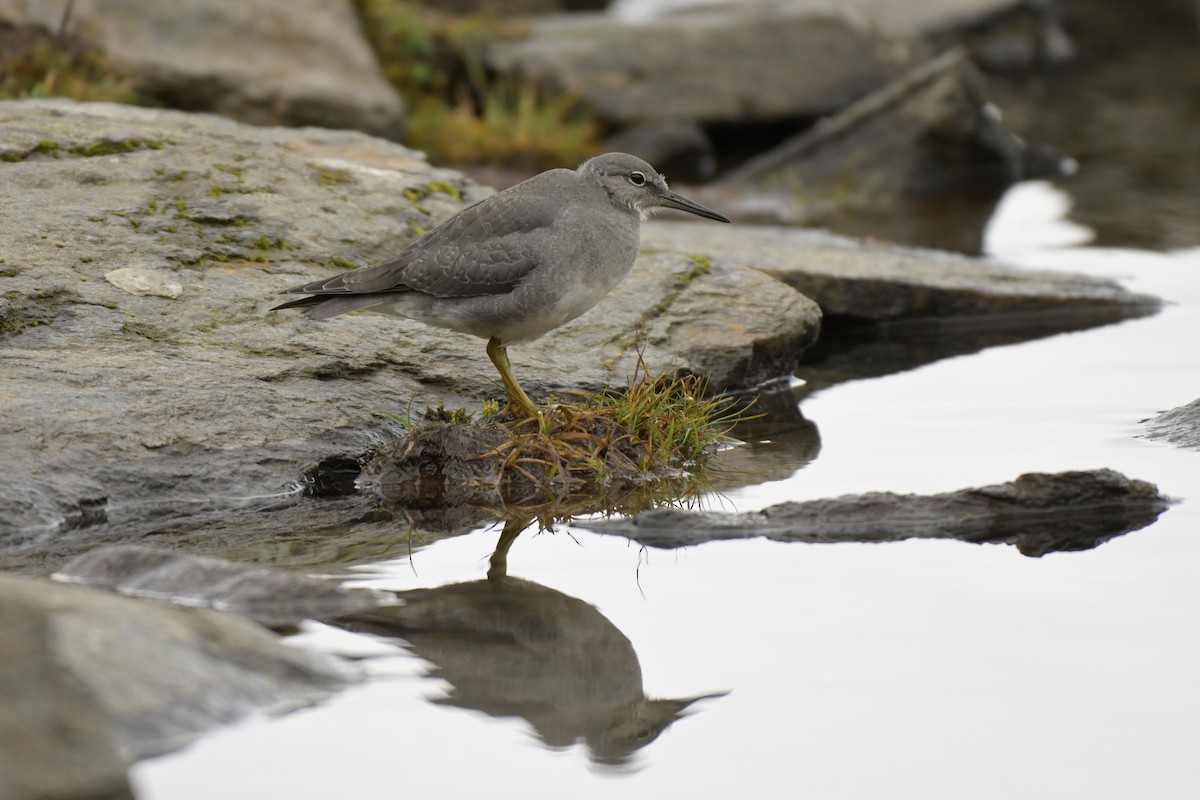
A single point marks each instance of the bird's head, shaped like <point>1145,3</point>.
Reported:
<point>634,185</point>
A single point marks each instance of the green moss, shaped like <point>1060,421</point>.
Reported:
<point>11,157</point>
<point>46,146</point>
<point>442,187</point>
<point>9,272</point>
<point>343,263</point>
<point>86,259</point>
<point>333,177</point>
<point>701,265</point>
<point>109,147</point>
<point>228,170</point>
<point>267,243</point>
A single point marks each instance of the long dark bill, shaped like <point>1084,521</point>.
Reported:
<point>672,200</point>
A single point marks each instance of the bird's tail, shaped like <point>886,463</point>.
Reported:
<point>319,307</point>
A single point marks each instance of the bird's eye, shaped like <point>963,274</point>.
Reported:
<point>637,178</point>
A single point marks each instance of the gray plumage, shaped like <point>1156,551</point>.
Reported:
<point>516,265</point>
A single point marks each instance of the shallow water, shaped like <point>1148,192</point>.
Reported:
<point>931,669</point>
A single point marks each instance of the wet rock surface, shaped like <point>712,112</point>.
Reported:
<point>91,681</point>
<point>879,282</point>
<point>120,402</point>
<point>249,61</point>
<point>1038,513</point>
<point>1179,426</point>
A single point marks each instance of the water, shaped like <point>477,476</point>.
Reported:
<point>921,669</point>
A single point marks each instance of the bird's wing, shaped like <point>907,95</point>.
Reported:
<point>485,249</point>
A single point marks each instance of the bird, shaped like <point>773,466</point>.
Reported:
<point>516,265</point>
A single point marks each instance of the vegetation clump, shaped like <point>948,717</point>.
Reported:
<point>36,63</point>
<point>458,112</point>
<point>609,452</point>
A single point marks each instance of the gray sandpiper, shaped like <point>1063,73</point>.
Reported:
<point>516,265</point>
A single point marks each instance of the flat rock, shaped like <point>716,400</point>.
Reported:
<point>176,673</point>
<point>1038,513</point>
<point>1179,426</point>
<point>877,282</point>
<point>270,62</point>
<point>131,411</point>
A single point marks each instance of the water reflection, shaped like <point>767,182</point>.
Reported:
<point>513,648</point>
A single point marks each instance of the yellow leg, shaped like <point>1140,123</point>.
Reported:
<point>519,404</point>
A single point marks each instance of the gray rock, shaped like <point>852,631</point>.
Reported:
<point>56,741</point>
<point>879,282</point>
<point>1001,34</point>
<point>148,413</point>
<point>1179,426</point>
<point>176,673</point>
<point>295,62</point>
<point>929,132</point>
<point>266,595</point>
<point>1038,513</point>
<point>759,63</point>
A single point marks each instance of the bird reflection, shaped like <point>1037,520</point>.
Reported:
<point>513,648</point>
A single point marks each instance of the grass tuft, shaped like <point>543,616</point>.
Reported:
<point>608,452</point>
<point>458,112</point>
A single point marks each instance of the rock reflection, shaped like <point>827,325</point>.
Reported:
<point>514,648</point>
<point>1038,513</point>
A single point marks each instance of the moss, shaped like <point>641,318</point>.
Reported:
<point>86,259</point>
<point>46,146</point>
<point>9,272</point>
<point>267,243</point>
<point>228,170</point>
<point>442,187</point>
<point>343,263</point>
<point>109,147</point>
<point>701,265</point>
<point>333,177</point>
<point>11,157</point>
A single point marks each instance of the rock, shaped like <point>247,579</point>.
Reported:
<point>144,282</point>
<point>879,282</point>
<point>748,64</point>
<point>268,596</point>
<point>56,741</point>
<point>1179,426</point>
<point>1001,34</point>
<point>927,134</point>
<point>176,673</point>
<point>150,414</point>
<point>268,62</point>
<point>1038,513</point>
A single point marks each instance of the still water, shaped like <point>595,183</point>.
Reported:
<point>919,669</point>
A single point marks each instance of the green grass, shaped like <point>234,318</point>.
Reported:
<point>35,63</point>
<point>459,113</point>
<point>609,452</point>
